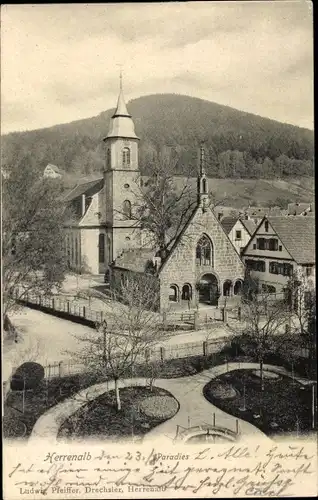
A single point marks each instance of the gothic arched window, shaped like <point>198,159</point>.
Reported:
<point>127,209</point>
<point>204,186</point>
<point>126,157</point>
<point>204,251</point>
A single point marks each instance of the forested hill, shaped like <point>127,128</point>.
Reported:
<point>238,144</point>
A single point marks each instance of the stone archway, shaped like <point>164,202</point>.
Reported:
<point>209,290</point>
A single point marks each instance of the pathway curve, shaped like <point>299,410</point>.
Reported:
<point>194,408</point>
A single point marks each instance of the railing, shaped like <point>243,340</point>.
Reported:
<point>61,307</point>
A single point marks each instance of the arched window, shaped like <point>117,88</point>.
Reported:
<point>127,209</point>
<point>108,158</point>
<point>126,157</point>
<point>204,186</point>
<point>101,248</point>
<point>173,293</point>
<point>204,252</point>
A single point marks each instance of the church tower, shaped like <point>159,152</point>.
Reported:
<point>202,182</point>
<point>122,181</point>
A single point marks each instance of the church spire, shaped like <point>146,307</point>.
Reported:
<point>202,183</point>
<point>121,109</point>
<point>121,124</point>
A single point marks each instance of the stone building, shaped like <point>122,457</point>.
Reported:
<point>202,267</point>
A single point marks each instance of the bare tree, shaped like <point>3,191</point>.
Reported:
<point>32,236</point>
<point>132,327</point>
<point>264,319</point>
<point>301,297</point>
<point>161,208</point>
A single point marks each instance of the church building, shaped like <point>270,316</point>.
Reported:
<point>202,267</point>
<point>101,225</point>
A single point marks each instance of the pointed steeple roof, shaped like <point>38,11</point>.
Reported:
<point>121,109</point>
<point>121,124</point>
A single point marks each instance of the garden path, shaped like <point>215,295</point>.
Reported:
<point>194,408</point>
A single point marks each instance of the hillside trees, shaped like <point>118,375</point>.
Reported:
<point>32,235</point>
<point>179,121</point>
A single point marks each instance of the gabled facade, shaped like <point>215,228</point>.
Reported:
<point>280,248</point>
<point>85,233</point>
<point>239,231</point>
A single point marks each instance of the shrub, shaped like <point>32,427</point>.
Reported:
<point>28,376</point>
<point>159,407</point>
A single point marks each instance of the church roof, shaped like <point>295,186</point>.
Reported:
<point>88,188</point>
<point>135,259</point>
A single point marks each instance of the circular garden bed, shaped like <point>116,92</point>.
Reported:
<point>142,409</point>
<point>163,407</point>
<point>278,406</point>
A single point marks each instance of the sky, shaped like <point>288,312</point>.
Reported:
<point>61,62</point>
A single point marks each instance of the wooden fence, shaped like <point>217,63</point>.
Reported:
<point>72,311</point>
<point>62,307</point>
<point>161,354</point>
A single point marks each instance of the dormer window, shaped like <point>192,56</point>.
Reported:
<point>126,157</point>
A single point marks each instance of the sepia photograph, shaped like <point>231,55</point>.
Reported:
<point>158,250</point>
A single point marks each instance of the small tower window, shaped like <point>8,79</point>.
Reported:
<point>126,157</point>
<point>108,158</point>
<point>127,209</point>
<point>101,248</point>
<point>204,186</point>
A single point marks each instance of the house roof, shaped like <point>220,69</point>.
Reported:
<point>297,235</point>
<point>54,168</point>
<point>135,259</point>
<point>297,208</point>
<point>227,223</point>
<point>88,188</point>
<point>249,225</point>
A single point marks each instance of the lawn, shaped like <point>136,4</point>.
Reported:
<point>142,410</point>
<point>282,407</point>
